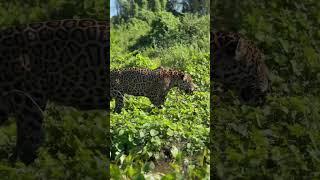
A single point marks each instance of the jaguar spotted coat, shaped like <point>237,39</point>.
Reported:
<point>63,61</point>
<point>153,84</point>
<point>238,64</point>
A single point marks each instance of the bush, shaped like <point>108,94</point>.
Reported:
<point>167,30</point>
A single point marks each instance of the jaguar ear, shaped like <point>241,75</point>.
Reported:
<point>160,67</point>
<point>240,50</point>
<point>184,77</point>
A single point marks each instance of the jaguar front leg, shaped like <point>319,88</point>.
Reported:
<point>158,101</point>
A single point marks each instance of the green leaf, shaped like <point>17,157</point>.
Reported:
<point>141,134</point>
<point>174,151</point>
<point>170,132</point>
<point>154,132</point>
<point>285,45</point>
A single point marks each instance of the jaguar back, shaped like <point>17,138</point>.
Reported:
<point>64,61</point>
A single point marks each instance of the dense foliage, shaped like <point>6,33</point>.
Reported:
<point>282,139</point>
<point>172,142</point>
<point>75,144</point>
<point>277,141</point>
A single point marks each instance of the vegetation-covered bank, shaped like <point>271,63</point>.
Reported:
<point>171,142</point>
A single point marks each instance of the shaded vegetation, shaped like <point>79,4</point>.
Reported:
<point>75,144</point>
<point>280,140</point>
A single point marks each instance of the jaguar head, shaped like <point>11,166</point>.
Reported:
<point>186,84</point>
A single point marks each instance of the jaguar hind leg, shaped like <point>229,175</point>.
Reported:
<point>4,109</point>
<point>119,101</point>
<point>4,115</point>
<point>30,133</point>
<point>119,105</point>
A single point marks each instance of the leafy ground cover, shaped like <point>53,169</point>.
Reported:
<point>280,140</point>
<point>170,143</point>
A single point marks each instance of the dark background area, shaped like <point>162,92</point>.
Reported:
<point>75,144</point>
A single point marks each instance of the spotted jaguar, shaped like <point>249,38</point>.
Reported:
<point>239,65</point>
<point>153,84</point>
<point>63,61</point>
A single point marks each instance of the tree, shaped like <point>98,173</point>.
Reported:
<point>144,4</point>
<point>155,5</point>
<point>199,6</point>
<point>163,4</point>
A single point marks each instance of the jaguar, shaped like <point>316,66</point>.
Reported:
<point>153,84</point>
<point>63,61</point>
<point>238,64</point>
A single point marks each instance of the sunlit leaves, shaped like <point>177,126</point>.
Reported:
<point>158,140</point>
